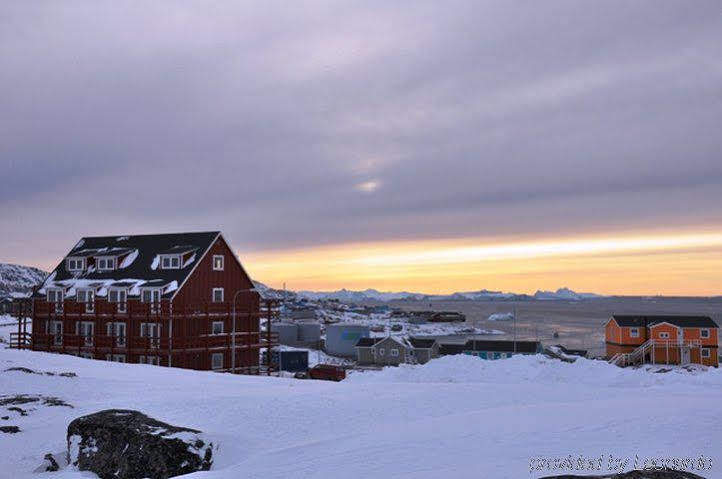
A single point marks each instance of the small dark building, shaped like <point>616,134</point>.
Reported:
<point>486,349</point>
<point>6,305</point>
<point>447,317</point>
<point>291,361</point>
<point>449,349</point>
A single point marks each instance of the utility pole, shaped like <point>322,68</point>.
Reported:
<point>514,328</point>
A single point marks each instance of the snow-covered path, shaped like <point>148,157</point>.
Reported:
<point>454,417</point>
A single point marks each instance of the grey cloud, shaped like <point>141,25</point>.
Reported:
<point>261,118</point>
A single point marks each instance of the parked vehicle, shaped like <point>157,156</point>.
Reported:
<point>327,372</point>
<point>397,328</point>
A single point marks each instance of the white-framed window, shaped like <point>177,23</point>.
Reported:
<point>119,296</point>
<point>217,361</point>
<point>86,330</point>
<point>154,360</point>
<point>55,329</point>
<point>75,264</point>
<point>117,358</point>
<point>86,296</point>
<point>152,296</point>
<point>152,331</point>
<point>56,296</point>
<point>217,327</point>
<point>394,352</point>
<point>705,353</point>
<point>105,263</point>
<point>664,335</point>
<point>704,333</point>
<point>633,332</point>
<point>218,260</point>
<point>170,261</point>
<point>217,295</point>
<point>117,331</point>
<point>382,351</point>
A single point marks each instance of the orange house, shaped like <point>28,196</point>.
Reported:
<point>633,339</point>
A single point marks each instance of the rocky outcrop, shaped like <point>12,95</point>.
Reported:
<point>120,444</point>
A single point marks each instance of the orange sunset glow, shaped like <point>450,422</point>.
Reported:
<point>633,264</point>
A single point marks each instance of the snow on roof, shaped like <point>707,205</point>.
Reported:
<point>138,264</point>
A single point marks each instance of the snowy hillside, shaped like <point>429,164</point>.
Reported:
<point>16,280</point>
<point>455,417</point>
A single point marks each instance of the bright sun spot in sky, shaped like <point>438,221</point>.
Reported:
<point>368,186</point>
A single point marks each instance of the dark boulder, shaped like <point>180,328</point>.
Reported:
<point>118,443</point>
<point>650,474</point>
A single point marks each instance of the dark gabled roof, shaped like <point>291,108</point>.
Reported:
<point>422,343</point>
<point>179,249</point>
<point>367,342</point>
<point>502,346</point>
<point>139,262</point>
<point>641,321</point>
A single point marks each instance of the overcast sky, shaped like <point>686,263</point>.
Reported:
<point>294,124</point>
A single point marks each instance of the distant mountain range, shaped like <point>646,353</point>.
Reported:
<point>349,296</point>
<point>17,280</point>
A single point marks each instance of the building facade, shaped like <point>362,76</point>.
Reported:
<point>500,349</point>
<point>662,339</point>
<point>181,300</point>
<point>393,350</point>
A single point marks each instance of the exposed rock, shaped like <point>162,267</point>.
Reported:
<point>118,443</point>
<point>47,373</point>
<point>21,370</point>
<point>18,410</point>
<point>28,398</point>
<point>635,475</point>
<point>17,399</point>
<point>9,429</point>
<point>52,463</point>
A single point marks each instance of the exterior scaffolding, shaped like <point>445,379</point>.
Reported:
<point>192,336</point>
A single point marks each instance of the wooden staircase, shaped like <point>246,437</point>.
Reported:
<point>639,355</point>
<point>20,340</point>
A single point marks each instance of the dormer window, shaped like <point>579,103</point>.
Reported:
<point>105,263</point>
<point>170,262</point>
<point>75,264</point>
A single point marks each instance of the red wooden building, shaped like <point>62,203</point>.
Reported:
<point>181,300</point>
<point>633,339</point>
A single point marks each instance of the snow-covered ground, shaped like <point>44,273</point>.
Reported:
<point>457,416</point>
